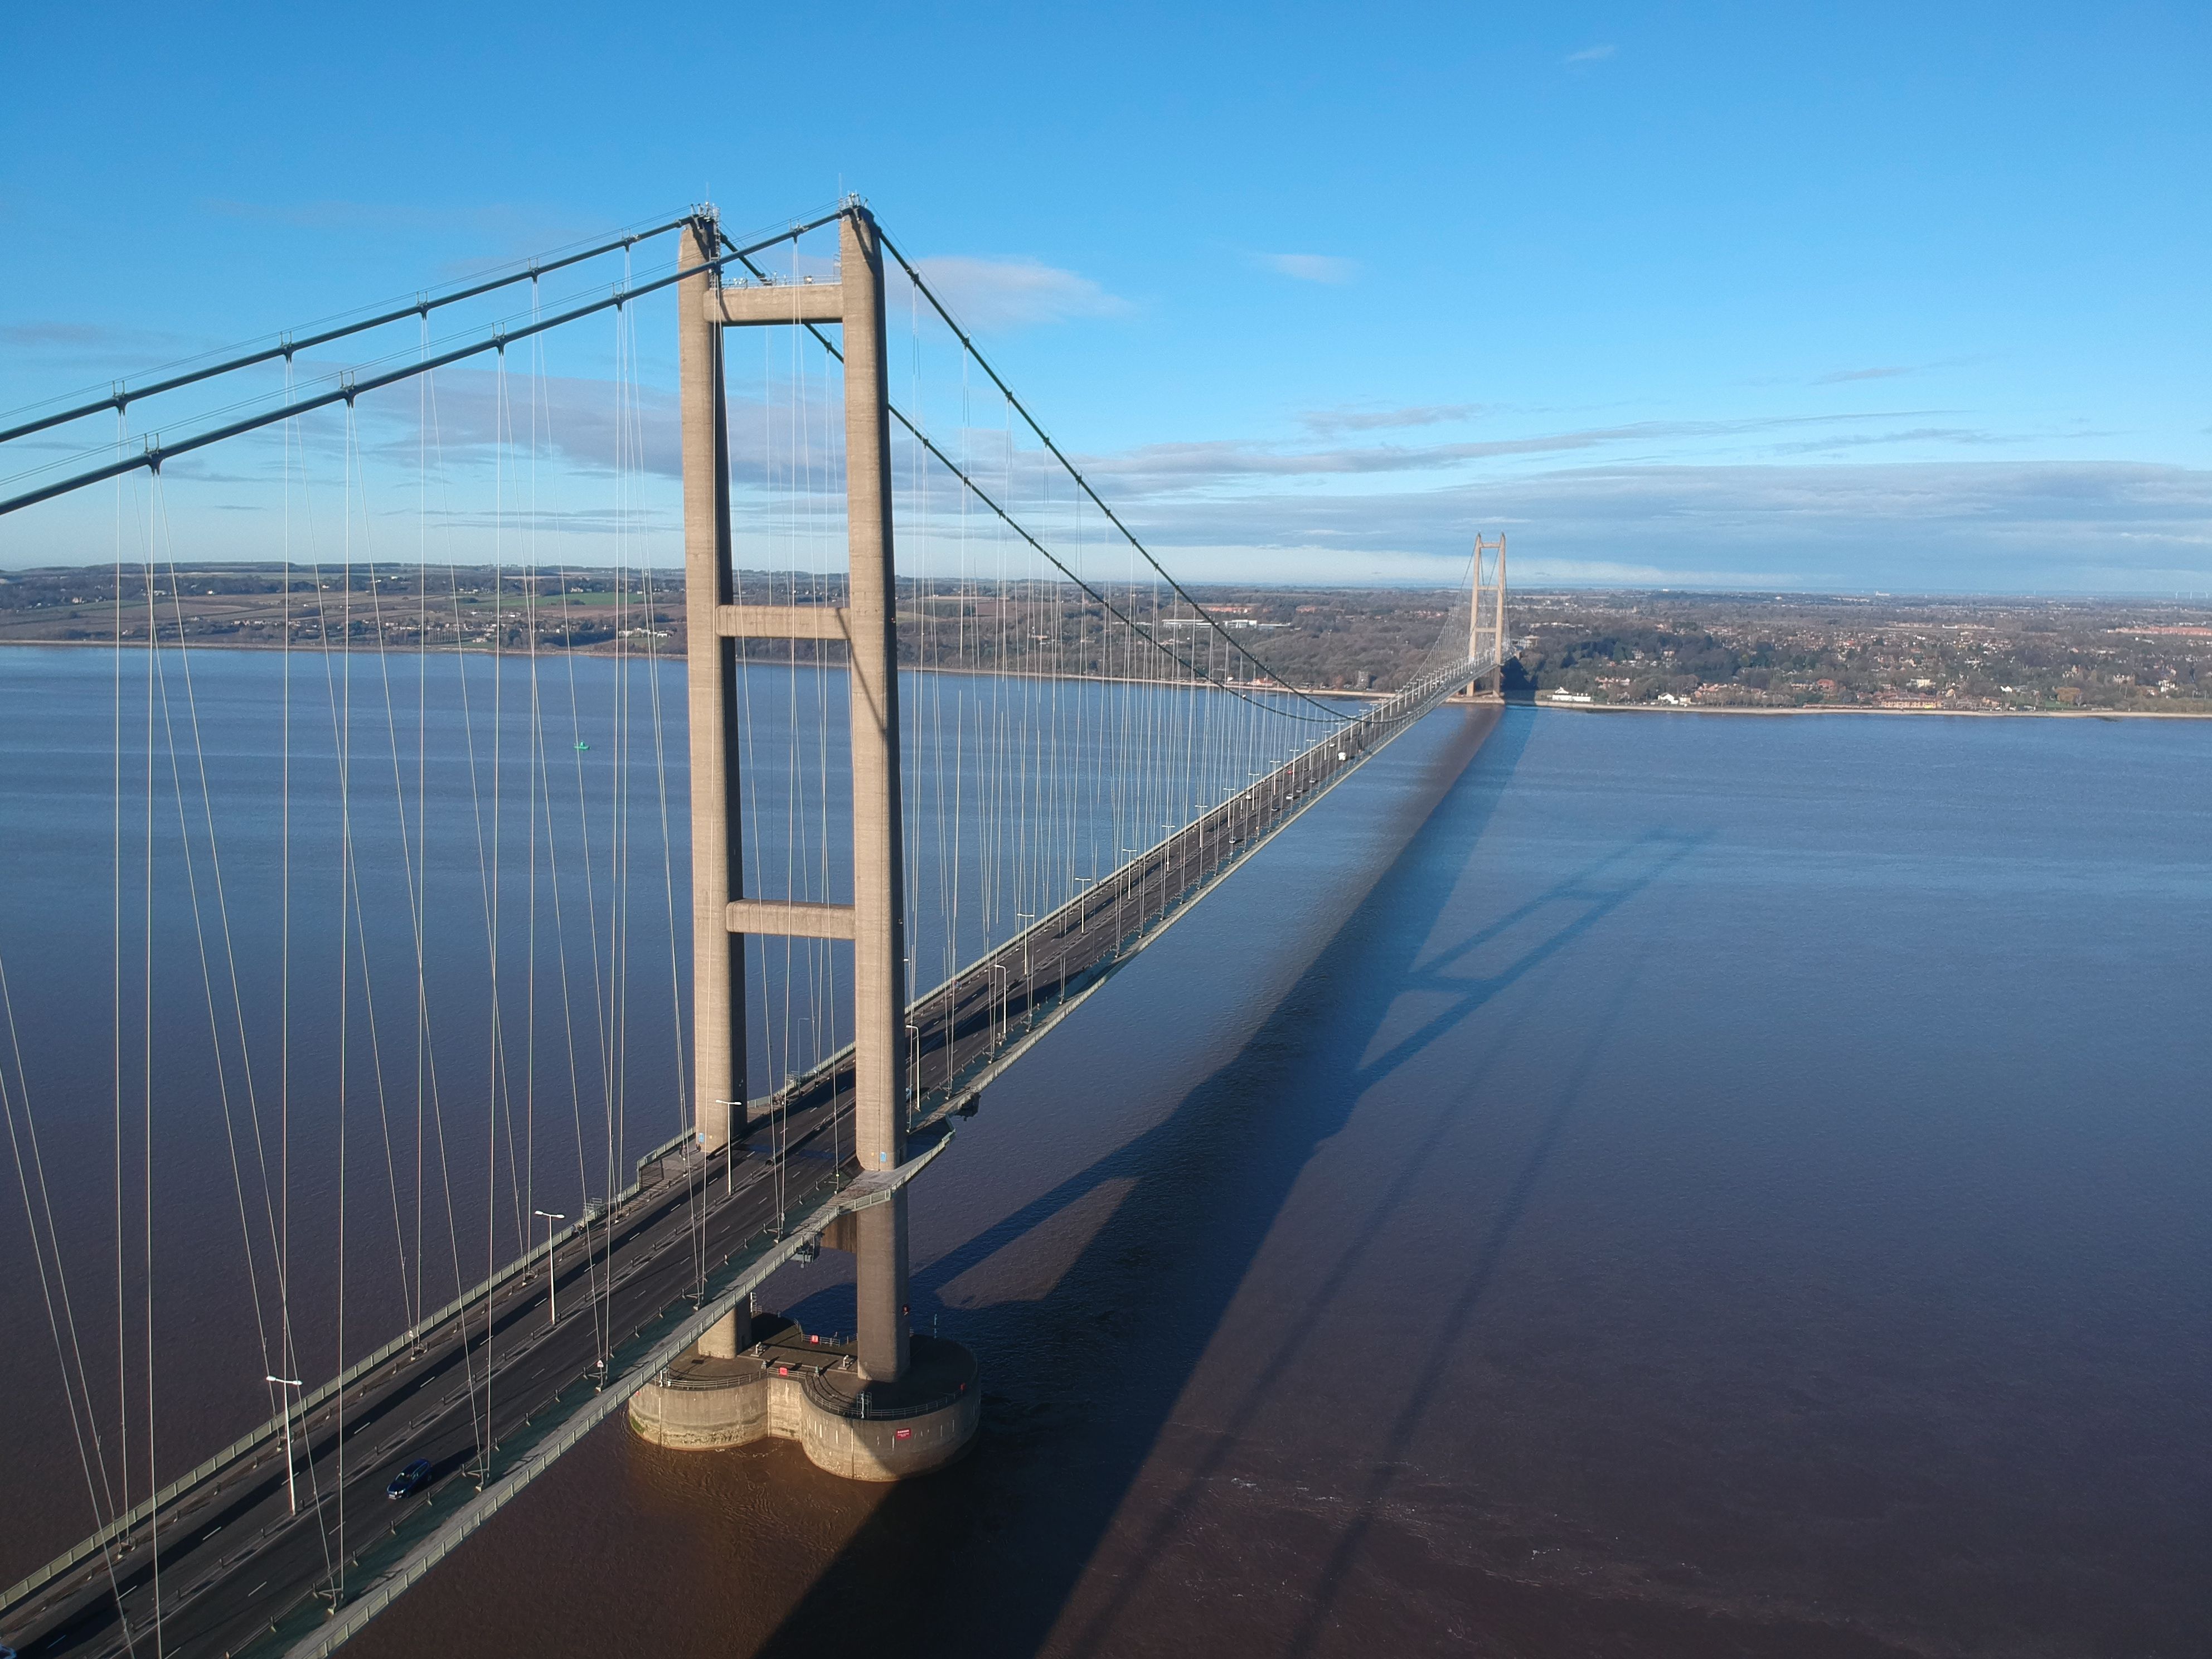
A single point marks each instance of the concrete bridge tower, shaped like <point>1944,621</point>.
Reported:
<point>888,1403</point>
<point>1488,620</point>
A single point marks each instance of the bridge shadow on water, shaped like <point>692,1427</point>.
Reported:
<point>986,1558</point>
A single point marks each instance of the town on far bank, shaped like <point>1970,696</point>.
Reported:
<point>1572,647</point>
<point>1961,654</point>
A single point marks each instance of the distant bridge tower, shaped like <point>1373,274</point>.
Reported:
<point>1488,618</point>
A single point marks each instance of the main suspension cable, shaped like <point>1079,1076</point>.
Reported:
<point>1329,716</point>
<point>1082,482</point>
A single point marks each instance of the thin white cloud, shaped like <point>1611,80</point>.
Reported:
<point>1907,526</point>
<point>1839,443</point>
<point>586,422</point>
<point>1885,373</point>
<point>1591,54</point>
<point>103,349</point>
<point>1325,267</point>
<point>1329,422</point>
<point>1223,463</point>
<point>998,294</point>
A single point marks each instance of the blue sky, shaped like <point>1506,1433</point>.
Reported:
<point>1892,297</point>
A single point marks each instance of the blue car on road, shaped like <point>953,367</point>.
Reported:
<point>410,1479</point>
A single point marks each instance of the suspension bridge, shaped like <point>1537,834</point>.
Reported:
<point>934,802</point>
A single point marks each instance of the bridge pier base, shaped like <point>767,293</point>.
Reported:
<point>789,1385</point>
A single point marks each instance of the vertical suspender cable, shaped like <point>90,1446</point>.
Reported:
<point>146,1222</point>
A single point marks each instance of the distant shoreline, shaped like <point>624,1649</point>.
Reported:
<point>598,651</point>
<point>676,657</point>
<point>1862,708</point>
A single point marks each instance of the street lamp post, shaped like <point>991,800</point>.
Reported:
<point>552,1311</point>
<point>730,1162</point>
<point>291,1490</point>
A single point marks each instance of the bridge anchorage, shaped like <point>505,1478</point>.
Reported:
<point>889,1403</point>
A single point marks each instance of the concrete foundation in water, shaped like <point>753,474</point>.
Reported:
<point>793,1386</point>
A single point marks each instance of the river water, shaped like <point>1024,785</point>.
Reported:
<point>1603,1185</point>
